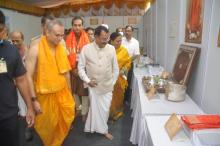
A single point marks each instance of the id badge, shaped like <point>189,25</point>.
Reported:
<point>3,66</point>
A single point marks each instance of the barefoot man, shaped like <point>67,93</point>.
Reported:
<point>98,68</point>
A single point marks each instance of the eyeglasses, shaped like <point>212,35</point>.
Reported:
<point>59,35</point>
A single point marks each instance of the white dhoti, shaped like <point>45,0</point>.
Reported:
<point>98,112</point>
<point>21,105</point>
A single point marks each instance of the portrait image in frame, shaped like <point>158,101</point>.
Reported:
<point>194,21</point>
<point>185,62</point>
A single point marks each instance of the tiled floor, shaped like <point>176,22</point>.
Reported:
<point>120,130</point>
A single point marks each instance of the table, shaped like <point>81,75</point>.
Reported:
<point>142,107</point>
<point>158,135</point>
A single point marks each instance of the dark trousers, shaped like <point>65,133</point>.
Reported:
<point>128,91</point>
<point>22,129</point>
<point>9,131</point>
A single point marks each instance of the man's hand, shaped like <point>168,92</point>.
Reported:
<point>30,117</point>
<point>37,107</point>
<point>75,72</point>
<point>92,83</point>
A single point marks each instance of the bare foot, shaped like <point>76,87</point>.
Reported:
<point>109,136</point>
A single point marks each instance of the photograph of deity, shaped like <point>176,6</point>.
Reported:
<point>194,21</point>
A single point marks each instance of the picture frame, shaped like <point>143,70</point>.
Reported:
<point>194,21</point>
<point>132,20</point>
<point>94,21</point>
<point>186,60</point>
<point>173,126</point>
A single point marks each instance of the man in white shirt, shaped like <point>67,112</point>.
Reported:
<point>130,43</point>
<point>132,46</point>
<point>98,68</point>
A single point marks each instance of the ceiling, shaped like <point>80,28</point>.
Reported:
<point>56,3</point>
<point>57,7</point>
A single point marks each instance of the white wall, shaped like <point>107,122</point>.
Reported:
<point>29,25</point>
<point>147,32</point>
<point>168,30</point>
<point>172,29</point>
<point>154,32</point>
<point>196,83</point>
<point>163,17</point>
<point>161,30</point>
<point>113,22</point>
<point>211,96</point>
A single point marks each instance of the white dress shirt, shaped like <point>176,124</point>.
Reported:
<point>132,46</point>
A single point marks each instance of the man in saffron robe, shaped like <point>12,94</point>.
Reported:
<point>75,41</point>
<point>124,64</point>
<point>48,71</point>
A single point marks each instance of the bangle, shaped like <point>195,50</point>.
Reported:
<point>33,99</point>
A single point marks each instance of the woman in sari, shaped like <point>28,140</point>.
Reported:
<point>124,63</point>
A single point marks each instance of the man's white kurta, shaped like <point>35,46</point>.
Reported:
<point>132,46</point>
<point>99,64</point>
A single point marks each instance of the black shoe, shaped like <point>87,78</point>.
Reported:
<point>29,134</point>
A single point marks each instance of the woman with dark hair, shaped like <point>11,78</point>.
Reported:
<point>90,33</point>
<point>124,63</point>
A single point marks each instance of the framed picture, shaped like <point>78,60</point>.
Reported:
<point>132,20</point>
<point>185,62</point>
<point>194,21</point>
<point>94,21</point>
<point>219,38</point>
<point>173,126</point>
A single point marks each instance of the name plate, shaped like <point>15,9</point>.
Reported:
<point>151,94</point>
<point>173,126</point>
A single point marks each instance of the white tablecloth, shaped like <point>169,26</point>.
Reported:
<point>204,137</point>
<point>142,107</point>
<point>159,137</point>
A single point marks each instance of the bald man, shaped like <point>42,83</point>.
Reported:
<point>17,39</point>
